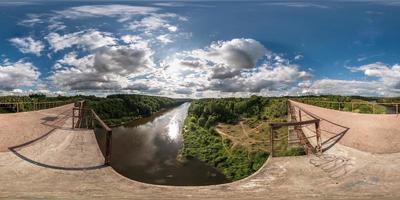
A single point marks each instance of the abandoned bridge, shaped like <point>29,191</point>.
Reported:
<point>42,157</point>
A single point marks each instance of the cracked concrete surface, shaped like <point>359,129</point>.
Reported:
<point>369,175</point>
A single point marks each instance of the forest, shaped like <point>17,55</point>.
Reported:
<point>120,108</point>
<point>211,133</point>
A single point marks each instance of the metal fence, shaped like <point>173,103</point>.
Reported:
<point>295,134</point>
<point>88,119</point>
<point>357,106</point>
<point>30,106</point>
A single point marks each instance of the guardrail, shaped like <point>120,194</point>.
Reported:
<point>352,106</point>
<point>88,118</point>
<point>297,124</point>
<point>31,106</point>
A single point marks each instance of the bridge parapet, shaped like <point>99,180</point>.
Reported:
<point>88,119</point>
<point>365,132</point>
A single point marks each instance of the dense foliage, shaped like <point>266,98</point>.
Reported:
<point>203,142</point>
<point>120,108</point>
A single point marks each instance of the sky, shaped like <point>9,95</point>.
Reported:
<point>197,49</point>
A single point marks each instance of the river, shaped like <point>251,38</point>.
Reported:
<point>146,150</point>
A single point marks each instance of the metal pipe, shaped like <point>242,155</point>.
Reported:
<point>73,118</point>
<point>108,147</point>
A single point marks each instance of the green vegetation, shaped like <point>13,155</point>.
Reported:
<point>231,134</point>
<point>349,103</point>
<point>27,103</point>
<point>120,108</point>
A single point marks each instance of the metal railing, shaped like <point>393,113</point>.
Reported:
<point>31,106</point>
<point>88,119</point>
<point>297,124</point>
<point>352,106</point>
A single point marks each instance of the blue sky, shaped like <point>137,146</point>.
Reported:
<point>200,48</point>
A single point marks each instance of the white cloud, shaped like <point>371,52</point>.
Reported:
<point>388,75</point>
<point>154,22</point>
<point>347,87</point>
<point>164,39</point>
<point>90,39</point>
<point>384,81</point>
<point>130,39</point>
<point>18,74</point>
<point>114,10</point>
<point>298,57</point>
<point>28,45</point>
<point>237,53</point>
<point>229,67</point>
<point>108,68</point>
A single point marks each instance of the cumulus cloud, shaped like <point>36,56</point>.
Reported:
<point>381,80</point>
<point>28,45</point>
<point>18,74</point>
<point>231,67</point>
<point>108,68</point>
<point>388,75</point>
<point>90,39</point>
<point>347,87</point>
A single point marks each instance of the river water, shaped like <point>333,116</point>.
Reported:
<point>146,150</point>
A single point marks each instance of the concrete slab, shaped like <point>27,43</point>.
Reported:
<point>370,176</point>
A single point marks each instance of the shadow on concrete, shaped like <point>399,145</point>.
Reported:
<point>15,148</point>
<point>331,141</point>
<point>56,167</point>
<point>57,121</point>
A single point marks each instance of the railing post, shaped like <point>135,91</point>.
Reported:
<point>373,108</point>
<point>92,119</point>
<point>300,115</point>
<point>108,147</point>
<point>73,118</point>
<point>271,142</point>
<point>352,107</point>
<point>397,108</point>
<point>318,135</point>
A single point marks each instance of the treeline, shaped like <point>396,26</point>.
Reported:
<point>119,108</point>
<point>356,104</point>
<point>36,98</point>
<point>230,110</point>
<point>33,102</point>
<point>203,142</point>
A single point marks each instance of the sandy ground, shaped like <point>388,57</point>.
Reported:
<point>66,164</point>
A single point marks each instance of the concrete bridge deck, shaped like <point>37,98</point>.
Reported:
<point>66,164</point>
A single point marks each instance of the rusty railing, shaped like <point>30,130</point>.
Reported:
<point>87,118</point>
<point>297,124</point>
<point>341,105</point>
<point>31,106</point>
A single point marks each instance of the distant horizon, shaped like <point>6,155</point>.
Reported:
<point>311,95</point>
<point>200,49</point>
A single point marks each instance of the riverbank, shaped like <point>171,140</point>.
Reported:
<point>229,134</point>
<point>116,110</point>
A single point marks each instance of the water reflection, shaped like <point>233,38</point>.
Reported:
<point>146,150</point>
